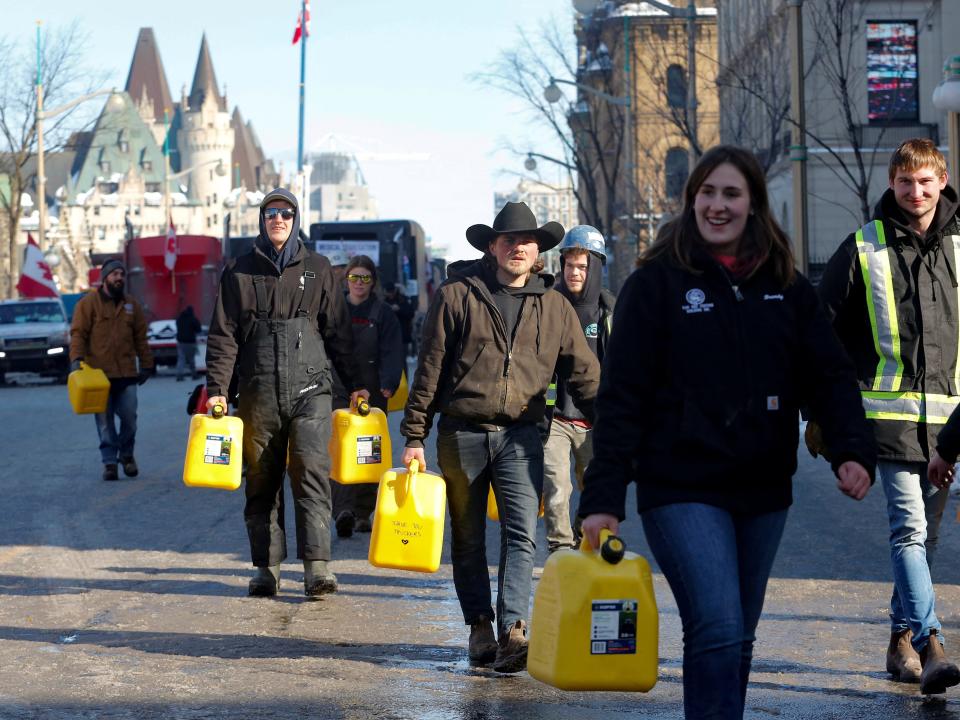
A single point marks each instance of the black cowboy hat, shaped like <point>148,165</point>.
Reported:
<point>515,217</point>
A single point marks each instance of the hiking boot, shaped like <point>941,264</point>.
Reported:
<point>483,643</point>
<point>318,580</point>
<point>110,472</point>
<point>512,649</point>
<point>938,673</point>
<point>130,468</point>
<point>554,546</point>
<point>345,522</point>
<point>265,582</point>
<point>903,662</point>
<point>363,525</point>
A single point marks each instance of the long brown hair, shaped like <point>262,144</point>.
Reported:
<point>763,240</point>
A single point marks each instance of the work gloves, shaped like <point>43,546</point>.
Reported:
<point>813,437</point>
<point>75,365</point>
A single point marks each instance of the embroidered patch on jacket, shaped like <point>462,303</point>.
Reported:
<point>590,330</point>
<point>696,302</point>
<point>773,402</point>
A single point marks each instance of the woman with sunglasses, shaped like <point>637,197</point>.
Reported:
<point>717,343</point>
<point>378,363</point>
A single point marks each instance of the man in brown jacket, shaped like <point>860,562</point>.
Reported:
<point>494,335</point>
<point>109,332</point>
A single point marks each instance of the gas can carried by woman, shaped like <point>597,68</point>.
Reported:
<point>594,624</point>
<point>408,522</point>
<point>359,448</point>
<point>214,451</point>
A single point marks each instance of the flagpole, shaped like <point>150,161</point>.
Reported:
<point>166,188</point>
<point>303,74</point>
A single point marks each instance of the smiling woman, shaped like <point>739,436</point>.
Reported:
<point>699,405</point>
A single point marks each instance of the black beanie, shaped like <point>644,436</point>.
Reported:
<point>109,266</point>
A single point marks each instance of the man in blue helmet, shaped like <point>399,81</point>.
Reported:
<point>582,256</point>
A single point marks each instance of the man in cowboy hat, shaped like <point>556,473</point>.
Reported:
<point>494,335</point>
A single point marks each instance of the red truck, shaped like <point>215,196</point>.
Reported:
<point>193,282</point>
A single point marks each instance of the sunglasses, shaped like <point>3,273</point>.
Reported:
<point>365,279</point>
<point>271,213</point>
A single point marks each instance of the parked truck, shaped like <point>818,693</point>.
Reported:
<point>164,295</point>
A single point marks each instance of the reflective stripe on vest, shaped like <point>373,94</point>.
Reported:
<point>909,406</point>
<point>881,305</point>
<point>551,394</point>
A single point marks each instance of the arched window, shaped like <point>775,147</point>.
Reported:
<point>676,86</point>
<point>677,167</point>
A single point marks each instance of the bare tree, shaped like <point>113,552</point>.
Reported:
<point>589,131</point>
<point>754,87</point>
<point>63,74</point>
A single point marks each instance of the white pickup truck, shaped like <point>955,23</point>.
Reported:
<point>34,337</point>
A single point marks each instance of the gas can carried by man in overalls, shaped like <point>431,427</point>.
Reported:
<point>281,319</point>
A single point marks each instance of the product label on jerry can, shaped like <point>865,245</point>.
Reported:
<point>369,450</point>
<point>613,627</point>
<point>216,450</point>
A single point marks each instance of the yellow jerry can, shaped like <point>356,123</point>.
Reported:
<point>214,451</point>
<point>594,623</point>
<point>493,512</point>
<point>359,446</point>
<point>398,400</point>
<point>408,522</point>
<point>88,389</point>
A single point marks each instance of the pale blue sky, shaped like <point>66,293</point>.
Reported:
<point>391,76</point>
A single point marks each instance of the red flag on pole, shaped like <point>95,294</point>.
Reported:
<point>36,278</point>
<point>171,249</point>
<point>302,28</point>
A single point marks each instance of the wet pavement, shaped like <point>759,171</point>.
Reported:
<point>128,600</point>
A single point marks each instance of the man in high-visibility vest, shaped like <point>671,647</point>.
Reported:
<point>891,289</point>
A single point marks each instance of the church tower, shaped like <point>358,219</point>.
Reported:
<point>206,136</point>
<point>147,84</point>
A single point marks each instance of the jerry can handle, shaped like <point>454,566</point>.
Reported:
<point>218,411</point>
<point>363,407</point>
<point>414,466</point>
<point>612,548</point>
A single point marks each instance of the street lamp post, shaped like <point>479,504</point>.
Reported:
<point>41,177</point>
<point>946,96</point>
<point>798,147</point>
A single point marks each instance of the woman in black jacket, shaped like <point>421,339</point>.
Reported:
<point>717,343</point>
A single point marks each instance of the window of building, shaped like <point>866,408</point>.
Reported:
<point>147,165</point>
<point>105,166</point>
<point>676,166</point>
<point>151,187</point>
<point>122,142</point>
<point>676,86</point>
<point>892,71</point>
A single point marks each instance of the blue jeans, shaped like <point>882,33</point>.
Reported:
<point>717,564</point>
<point>122,403</point>
<point>512,461</point>
<point>186,359</point>
<point>914,509</point>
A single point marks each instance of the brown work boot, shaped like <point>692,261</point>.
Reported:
<point>903,663</point>
<point>512,649</point>
<point>483,643</point>
<point>938,673</point>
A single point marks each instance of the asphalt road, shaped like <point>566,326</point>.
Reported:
<point>128,599</point>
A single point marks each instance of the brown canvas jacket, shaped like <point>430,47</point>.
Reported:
<point>467,371</point>
<point>109,335</point>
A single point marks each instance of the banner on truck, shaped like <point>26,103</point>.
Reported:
<point>339,252</point>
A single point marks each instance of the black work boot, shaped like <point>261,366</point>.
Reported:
<point>130,468</point>
<point>318,580</point>
<point>512,649</point>
<point>265,582</point>
<point>938,673</point>
<point>110,472</point>
<point>345,523</point>
<point>483,644</point>
<point>903,662</point>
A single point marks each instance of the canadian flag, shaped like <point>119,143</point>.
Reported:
<point>171,249</point>
<point>300,26</point>
<point>36,278</point>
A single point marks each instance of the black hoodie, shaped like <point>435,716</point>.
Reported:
<point>924,272</point>
<point>594,307</point>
